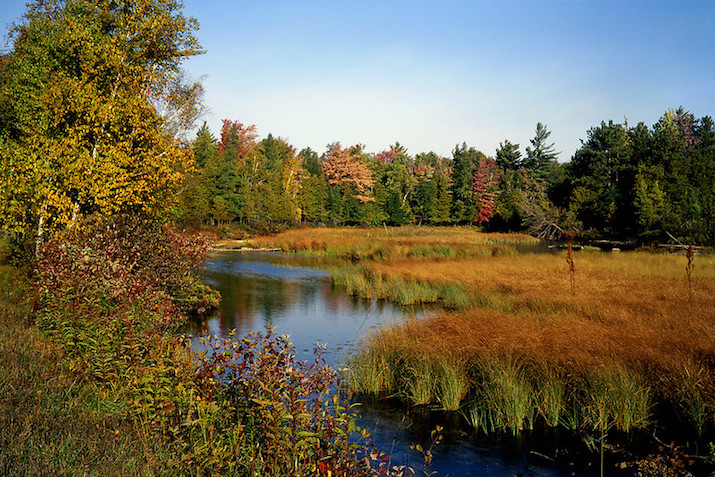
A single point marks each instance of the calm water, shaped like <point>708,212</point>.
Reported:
<point>260,289</point>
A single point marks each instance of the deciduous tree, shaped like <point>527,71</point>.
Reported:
<point>93,104</point>
<point>343,169</point>
<point>485,184</point>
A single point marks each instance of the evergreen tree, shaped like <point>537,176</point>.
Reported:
<point>508,156</point>
<point>195,198</point>
<point>464,163</point>
<point>540,157</point>
<point>601,175</point>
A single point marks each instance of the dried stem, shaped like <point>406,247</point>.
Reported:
<point>689,271</point>
<point>572,269</point>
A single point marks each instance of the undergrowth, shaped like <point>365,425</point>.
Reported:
<point>95,380</point>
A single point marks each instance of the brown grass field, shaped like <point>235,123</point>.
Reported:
<point>630,314</point>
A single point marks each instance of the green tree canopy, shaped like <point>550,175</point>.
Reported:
<point>508,156</point>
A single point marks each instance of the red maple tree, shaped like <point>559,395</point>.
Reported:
<point>484,184</point>
<point>241,135</point>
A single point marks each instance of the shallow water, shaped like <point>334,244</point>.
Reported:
<point>260,289</point>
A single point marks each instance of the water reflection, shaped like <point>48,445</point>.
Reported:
<point>260,289</point>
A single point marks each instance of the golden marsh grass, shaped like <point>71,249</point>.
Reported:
<point>632,335</point>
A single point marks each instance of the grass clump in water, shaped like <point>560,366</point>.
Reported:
<point>454,382</point>
<point>615,397</point>
<point>373,372</point>
<point>505,397</point>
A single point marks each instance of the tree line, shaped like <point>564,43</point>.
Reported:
<point>623,182</point>
<point>95,112</point>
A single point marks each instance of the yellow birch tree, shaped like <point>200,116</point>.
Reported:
<point>93,103</point>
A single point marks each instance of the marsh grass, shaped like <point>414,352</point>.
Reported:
<point>616,397</point>
<point>454,382</point>
<point>373,372</point>
<point>609,358</point>
<point>550,397</point>
<point>505,400</point>
<point>417,243</point>
<point>421,384</point>
<point>362,281</point>
<point>695,396</point>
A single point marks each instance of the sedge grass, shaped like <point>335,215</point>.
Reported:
<point>625,336</point>
<point>616,397</point>
<point>507,395</point>
<point>550,394</point>
<point>373,372</point>
<point>454,382</point>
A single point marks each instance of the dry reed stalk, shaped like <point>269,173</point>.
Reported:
<point>572,269</point>
<point>689,271</point>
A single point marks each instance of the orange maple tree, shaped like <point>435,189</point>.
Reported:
<point>343,167</point>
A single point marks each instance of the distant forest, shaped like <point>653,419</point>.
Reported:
<point>624,182</point>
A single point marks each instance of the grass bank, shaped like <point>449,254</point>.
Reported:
<point>52,421</point>
<point>352,253</point>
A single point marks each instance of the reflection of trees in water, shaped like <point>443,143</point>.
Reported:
<point>235,310</point>
<point>311,293</point>
<point>247,297</point>
<point>256,291</point>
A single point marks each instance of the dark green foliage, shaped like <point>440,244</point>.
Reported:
<point>641,182</point>
<point>311,161</point>
<point>602,179</point>
<point>508,156</point>
<point>540,157</point>
<point>275,152</point>
<point>510,214</point>
<point>465,161</point>
<point>313,199</point>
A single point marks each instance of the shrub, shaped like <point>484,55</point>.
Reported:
<point>277,415</point>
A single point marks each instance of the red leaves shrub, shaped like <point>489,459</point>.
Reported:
<point>284,413</point>
<point>113,290</point>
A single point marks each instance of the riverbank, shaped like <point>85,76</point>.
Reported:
<point>95,379</point>
<point>53,422</point>
<point>616,345</point>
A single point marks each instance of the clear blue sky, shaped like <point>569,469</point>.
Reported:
<point>433,74</point>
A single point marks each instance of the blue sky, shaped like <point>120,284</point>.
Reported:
<point>433,74</point>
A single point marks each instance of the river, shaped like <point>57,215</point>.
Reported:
<point>260,289</point>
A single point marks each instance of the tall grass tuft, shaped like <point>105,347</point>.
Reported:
<point>550,396</point>
<point>454,382</point>
<point>373,371</point>
<point>616,397</point>
<point>505,400</point>
<point>421,383</point>
<point>695,387</point>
